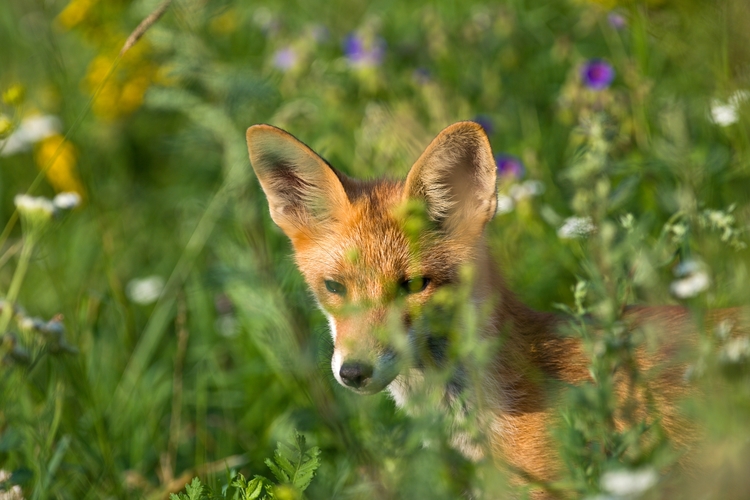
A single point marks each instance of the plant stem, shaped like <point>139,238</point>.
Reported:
<point>15,284</point>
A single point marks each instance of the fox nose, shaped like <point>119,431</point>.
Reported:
<point>355,374</point>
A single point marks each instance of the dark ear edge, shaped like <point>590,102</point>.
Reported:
<point>303,190</point>
<point>456,176</point>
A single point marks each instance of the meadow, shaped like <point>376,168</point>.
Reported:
<point>154,327</point>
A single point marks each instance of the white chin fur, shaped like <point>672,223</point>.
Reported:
<point>336,362</point>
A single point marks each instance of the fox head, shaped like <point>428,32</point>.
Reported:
<point>356,245</point>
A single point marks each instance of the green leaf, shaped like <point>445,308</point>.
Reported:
<point>295,463</point>
<point>278,473</point>
<point>194,489</point>
<point>254,488</point>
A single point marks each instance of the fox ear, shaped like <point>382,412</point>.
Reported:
<point>304,192</point>
<point>456,176</point>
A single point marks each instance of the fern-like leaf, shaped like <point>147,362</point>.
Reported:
<point>194,489</point>
<point>295,463</point>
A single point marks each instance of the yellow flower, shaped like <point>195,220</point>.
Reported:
<point>75,12</point>
<point>14,95</point>
<point>123,92</point>
<point>61,173</point>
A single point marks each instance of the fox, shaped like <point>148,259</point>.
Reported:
<point>363,267</point>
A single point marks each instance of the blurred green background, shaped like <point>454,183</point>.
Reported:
<point>197,343</point>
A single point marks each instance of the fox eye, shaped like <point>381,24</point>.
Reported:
<point>335,287</point>
<point>414,285</point>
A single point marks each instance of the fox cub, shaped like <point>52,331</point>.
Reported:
<point>365,268</point>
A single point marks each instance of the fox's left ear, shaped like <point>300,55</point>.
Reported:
<point>304,192</point>
<point>456,177</point>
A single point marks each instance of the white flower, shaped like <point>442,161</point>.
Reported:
<point>723,114</point>
<point>576,227</point>
<point>30,131</point>
<point>629,482</point>
<point>693,279</point>
<point>35,210</point>
<point>67,201</point>
<point>727,113</point>
<point>14,493</point>
<point>526,189</point>
<point>736,350</point>
<point>146,290</point>
<point>504,204</point>
<point>517,193</point>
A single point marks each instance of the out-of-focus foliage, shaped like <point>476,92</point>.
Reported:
<point>182,340</point>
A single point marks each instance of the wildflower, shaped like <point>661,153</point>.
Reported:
<point>53,329</point>
<point>14,493</point>
<point>736,350</point>
<point>57,158</point>
<point>146,290</point>
<point>576,227</point>
<point>364,52</point>
<point>693,279</point>
<point>14,95</point>
<point>285,59</point>
<point>617,20</point>
<point>75,12</point>
<point>67,200</point>
<point>517,193</point>
<point>505,204</point>
<point>509,166</point>
<point>527,189</point>
<point>36,211</point>
<point>723,114</point>
<point>629,482</point>
<point>486,123</point>
<point>597,74</point>
<point>727,113</point>
<point>30,131</point>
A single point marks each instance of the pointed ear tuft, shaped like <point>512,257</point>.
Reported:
<point>456,177</point>
<point>304,192</point>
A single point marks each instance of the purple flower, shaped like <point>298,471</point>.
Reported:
<point>364,52</point>
<point>509,166</point>
<point>285,59</point>
<point>617,20</point>
<point>597,74</point>
<point>486,123</point>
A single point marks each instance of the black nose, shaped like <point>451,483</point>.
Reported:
<point>355,374</point>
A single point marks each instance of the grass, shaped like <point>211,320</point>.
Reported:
<point>232,356</point>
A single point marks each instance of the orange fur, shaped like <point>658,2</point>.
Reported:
<point>353,233</point>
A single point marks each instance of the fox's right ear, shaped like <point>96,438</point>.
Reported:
<point>456,176</point>
<point>304,192</point>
